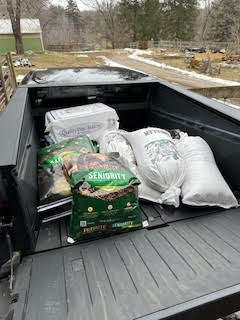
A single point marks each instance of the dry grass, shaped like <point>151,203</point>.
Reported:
<point>61,60</point>
<point>226,73</point>
<point>177,63</point>
<point>214,56</point>
<point>230,74</point>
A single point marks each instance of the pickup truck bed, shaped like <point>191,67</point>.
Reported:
<point>185,265</point>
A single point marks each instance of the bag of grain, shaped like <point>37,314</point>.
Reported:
<point>104,198</point>
<point>158,162</point>
<point>114,141</point>
<point>204,184</point>
<point>91,120</point>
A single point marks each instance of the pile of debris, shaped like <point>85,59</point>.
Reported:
<point>206,63</point>
<point>22,62</point>
<point>232,59</point>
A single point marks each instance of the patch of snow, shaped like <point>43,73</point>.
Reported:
<point>171,55</point>
<point>230,66</point>
<point>193,74</point>
<point>139,52</point>
<point>111,63</point>
<point>82,56</point>
<point>228,104</point>
<point>129,49</point>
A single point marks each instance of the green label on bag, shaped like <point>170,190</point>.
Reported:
<point>94,218</point>
<point>122,224</point>
<point>163,149</point>
<point>51,161</point>
<point>99,178</point>
<point>58,159</point>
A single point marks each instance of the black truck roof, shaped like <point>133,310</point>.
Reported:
<point>76,76</point>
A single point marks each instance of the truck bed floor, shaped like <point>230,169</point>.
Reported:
<point>148,274</point>
<point>54,234</point>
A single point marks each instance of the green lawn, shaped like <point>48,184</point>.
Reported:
<point>8,45</point>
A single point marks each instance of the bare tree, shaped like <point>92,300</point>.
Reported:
<point>204,19</point>
<point>108,9</point>
<point>235,35</point>
<point>34,8</point>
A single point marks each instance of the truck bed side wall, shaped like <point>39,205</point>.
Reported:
<point>173,110</point>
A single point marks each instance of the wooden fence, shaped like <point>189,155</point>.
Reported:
<point>68,47</point>
<point>181,45</point>
<point>8,83</point>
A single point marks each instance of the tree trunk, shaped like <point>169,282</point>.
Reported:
<point>135,24</point>
<point>113,42</point>
<point>19,43</point>
<point>15,21</point>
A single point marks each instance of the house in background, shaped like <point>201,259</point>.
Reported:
<point>31,32</point>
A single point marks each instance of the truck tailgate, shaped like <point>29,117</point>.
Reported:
<point>184,270</point>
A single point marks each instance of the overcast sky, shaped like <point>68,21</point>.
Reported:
<point>85,7</point>
<point>82,6</point>
<point>79,3</point>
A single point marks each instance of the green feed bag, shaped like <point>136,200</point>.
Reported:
<point>104,198</point>
<point>52,183</point>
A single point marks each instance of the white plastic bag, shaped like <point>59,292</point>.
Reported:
<point>158,162</point>
<point>204,184</point>
<point>91,120</point>
<point>114,141</point>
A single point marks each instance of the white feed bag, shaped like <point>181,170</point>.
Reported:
<point>113,141</point>
<point>203,185</point>
<point>158,162</point>
<point>147,193</point>
<point>91,120</point>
